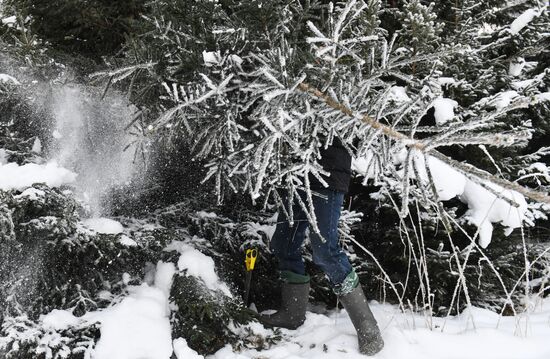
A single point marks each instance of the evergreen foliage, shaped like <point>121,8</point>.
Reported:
<point>490,273</point>
<point>420,32</point>
<point>90,28</point>
<point>213,313</point>
<point>223,121</point>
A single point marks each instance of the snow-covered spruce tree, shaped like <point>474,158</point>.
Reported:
<point>195,27</point>
<point>238,95</point>
<point>420,31</point>
<point>193,44</point>
<point>35,273</point>
<point>45,261</point>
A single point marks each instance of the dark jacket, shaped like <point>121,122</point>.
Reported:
<point>336,160</point>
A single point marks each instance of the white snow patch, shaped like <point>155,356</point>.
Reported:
<point>236,59</point>
<point>398,94</point>
<point>103,225</point>
<point>31,193</point>
<point>365,166</point>
<point>126,278</point>
<point>446,81</point>
<point>448,182</point>
<point>137,327</point>
<point>486,208</point>
<point>10,20</point>
<point>199,265</point>
<point>57,135</point>
<point>127,241</point>
<point>182,350</point>
<point>211,58</point>
<point>487,29</point>
<point>520,85</point>
<point>37,146</point>
<point>204,214</point>
<point>411,336</point>
<point>3,156</point>
<point>545,96</point>
<point>444,110</point>
<point>516,66</point>
<point>59,320</point>
<point>523,20</point>
<point>13,176</point>
<point>360,165</point>
<point>540,167</point>
<point>5,78</point>
<point>504,99</point>
<point>164,276</point>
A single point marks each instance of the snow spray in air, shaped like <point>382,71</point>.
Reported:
<point>90,139</point>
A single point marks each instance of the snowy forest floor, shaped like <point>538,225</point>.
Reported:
<point>138,326</point>
<point>408,336</point>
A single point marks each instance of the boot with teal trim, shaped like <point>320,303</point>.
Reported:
<point>294,299</point>
<point>354,301</point>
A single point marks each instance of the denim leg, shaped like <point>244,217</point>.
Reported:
<point>327,253</point>
<point>287,240</point>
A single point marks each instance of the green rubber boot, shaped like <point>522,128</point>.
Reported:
<point>294,298</point>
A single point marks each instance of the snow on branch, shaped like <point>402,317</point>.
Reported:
<point>490,199</point>
<point>120,74</point>
<point>524,19</point>
<point>421,146</point>
<point>485,207</point>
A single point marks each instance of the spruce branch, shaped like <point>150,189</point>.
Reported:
<point>466,169</point>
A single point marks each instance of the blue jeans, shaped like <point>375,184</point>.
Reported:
<point>287,240</point>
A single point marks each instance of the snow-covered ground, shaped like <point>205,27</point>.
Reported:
<point>14,176</point>
<point>138,327</point>
<point>408,336</point>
